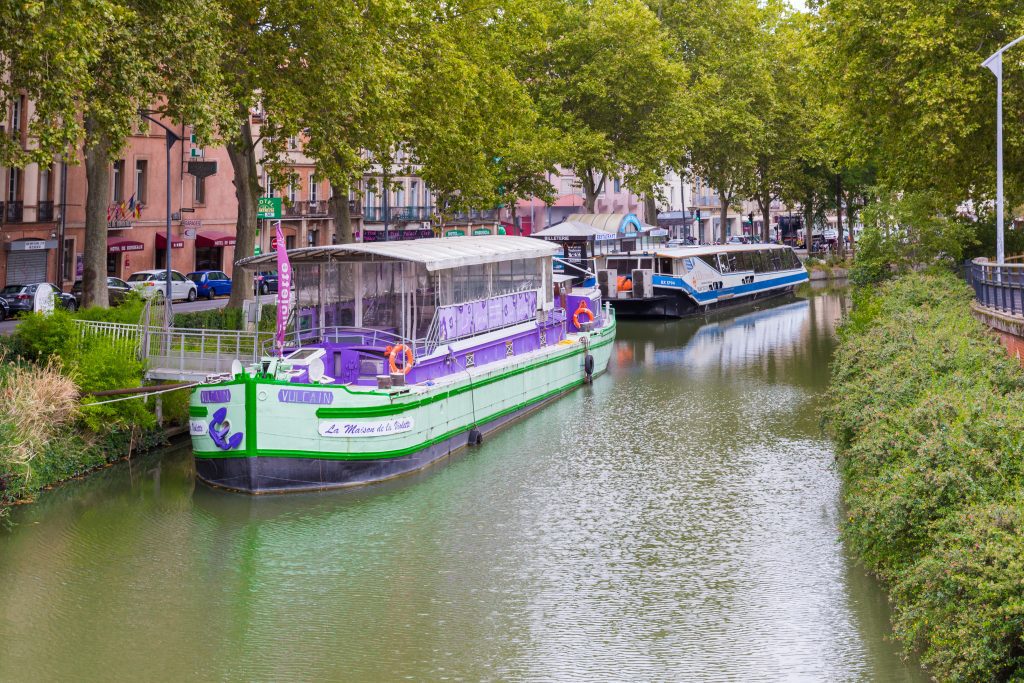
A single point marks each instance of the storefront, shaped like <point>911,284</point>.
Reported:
<point>161,251</point>
<point>119,262</point>
<point>210,250</point>
<point>27,261</point>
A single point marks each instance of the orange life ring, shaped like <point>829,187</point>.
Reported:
<point>582,310</point>
<point>409,360</point>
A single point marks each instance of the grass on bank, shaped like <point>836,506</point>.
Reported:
<point>927,411</point>
<point>50,427</point>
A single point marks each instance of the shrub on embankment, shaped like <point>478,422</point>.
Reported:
<point>928,414</point>
<point>50,427</point>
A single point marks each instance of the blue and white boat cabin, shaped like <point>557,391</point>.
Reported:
<point>683,281</point>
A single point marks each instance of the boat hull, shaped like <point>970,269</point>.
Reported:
<point>289,447</point>
<point>679,305</point>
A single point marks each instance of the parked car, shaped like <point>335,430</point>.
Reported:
<point>153,283</point>
<point>5,310</point>
<point>21,298</point>
<point>211,283</point>
<point>738,239</point>
<point>266,282</point>
<point>683,242</point>
<point>117,291</point>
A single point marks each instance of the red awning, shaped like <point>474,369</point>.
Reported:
<point>214,239</point>
<point>118,246</point>
<point>161,242</point>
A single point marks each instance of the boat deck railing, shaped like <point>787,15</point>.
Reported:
<point>357,336</point>
<point>999,287</point>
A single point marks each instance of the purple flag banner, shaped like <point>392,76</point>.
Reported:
<point>284,289</point>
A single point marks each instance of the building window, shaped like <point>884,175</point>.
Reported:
<point>13,184</point>
<point>400,196</point>
<point>16,108</point>
<point>68,267</point>
<point>141,168</point>
<point>314,238</point>
<point>269,184</point>
<point>116,180</point>
<point>289,241</point>
<point>45,190</point>
<point>293,142</point>
<point>292,193</point>
<point>414,188</point>
<point>199,194</point>
<point>314,189</point>
<point>618,185</point>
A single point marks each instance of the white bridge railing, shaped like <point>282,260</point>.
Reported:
<point>178,353</point>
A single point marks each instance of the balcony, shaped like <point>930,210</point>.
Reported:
<point>354,208</point>
<point>45,212</point>
<point>307,209</point>
<point>13,212</point>
<point>397,214</point>
<point>477,215</point>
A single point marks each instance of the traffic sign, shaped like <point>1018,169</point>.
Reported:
<point>268,207</point>
<point>256,250</point>
<point>273,243</point>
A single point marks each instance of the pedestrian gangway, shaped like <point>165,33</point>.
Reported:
<point>179,354</point>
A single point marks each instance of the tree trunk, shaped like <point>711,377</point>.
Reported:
<point>97,174</point>
<point>512,216</point>
<point>343,233</point>
<point>839,216</point>
<point>809,223</point>
<point>766,217</point>
<point>242,152</point>
<point>591,188</point>
<point>650,210</point>
<point>723,228</point>
<point>851,213</point>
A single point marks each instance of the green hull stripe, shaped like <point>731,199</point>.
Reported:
<point>399,452</point>
<point>397,408</point>
<point>198,411</point>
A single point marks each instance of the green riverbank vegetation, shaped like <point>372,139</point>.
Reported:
<point>925,407</point>
<point>50,426</point>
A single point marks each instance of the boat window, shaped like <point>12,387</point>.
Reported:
<point>623,266</point>
<point>758,260</point>
<point>665,266</point>
<point>647,263</point>
<point>724,266</point>
<point>794,262</point>
<point>710,259</point>
<point>776,259</point>
<point>744,261</point>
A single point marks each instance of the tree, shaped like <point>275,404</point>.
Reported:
<point>729,88</point>
<point>787,109</point>
<point>607,81</point>
<point>89,67</point>
<point>913,90</point>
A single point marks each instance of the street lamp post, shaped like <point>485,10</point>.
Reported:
<point>171,138</point>
<point>995,65</point>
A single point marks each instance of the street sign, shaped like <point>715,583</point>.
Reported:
<point>273,243</point>
<point>202,169</point>
<point>256,251</point>
<point>268,207</point>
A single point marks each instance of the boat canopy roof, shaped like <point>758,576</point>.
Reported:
<point>434,253</point>
<point>570,228</point>
<point>687,252</point>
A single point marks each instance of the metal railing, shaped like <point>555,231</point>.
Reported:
<point>359,336</point>
<point>13,212</point>
<point>999,287</point>
<point>199,351</point>
<point>126,338</point>
<point>397,214</point>
<point>45,211</point>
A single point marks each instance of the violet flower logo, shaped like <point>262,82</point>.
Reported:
<point>218,431</point>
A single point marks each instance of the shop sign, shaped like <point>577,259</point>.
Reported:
<point>482,231</point>
<point>268,207</point>
<point>190,226</point>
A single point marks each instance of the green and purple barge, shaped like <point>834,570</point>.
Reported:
<point>397,355</point>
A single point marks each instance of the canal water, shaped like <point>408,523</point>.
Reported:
<point>676,521</point>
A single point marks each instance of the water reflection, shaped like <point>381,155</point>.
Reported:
<point>677,520</point>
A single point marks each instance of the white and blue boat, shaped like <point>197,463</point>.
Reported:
<point>684,281</point>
